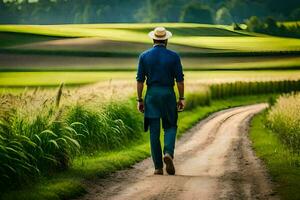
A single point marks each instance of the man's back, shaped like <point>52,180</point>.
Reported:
<point>161,66</point>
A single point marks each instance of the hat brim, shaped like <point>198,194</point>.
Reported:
<point>153,36</point>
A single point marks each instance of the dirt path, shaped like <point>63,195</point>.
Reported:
<point>214,160</point>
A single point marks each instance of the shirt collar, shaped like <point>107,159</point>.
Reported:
<point>159,45</point>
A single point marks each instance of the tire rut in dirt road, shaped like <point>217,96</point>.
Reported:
<point>214,160</point>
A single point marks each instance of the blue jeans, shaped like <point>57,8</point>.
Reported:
<point>169,142</point>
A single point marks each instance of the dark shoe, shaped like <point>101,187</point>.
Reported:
<point>158,172</point>
<point>169,164</point>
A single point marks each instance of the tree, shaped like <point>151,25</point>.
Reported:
<point>295,15</point>
<point>254,24</point>
<point>197,13</point>
<point>223,16</point>
<point>160,11</point>
<point>282,7</point>
<point>84,15</point>
<point>106,11</point>
<point>271,24</point>
<point>238,9</point>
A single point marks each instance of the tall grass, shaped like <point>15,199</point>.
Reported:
<point>105,127</point>
<point>201,96</point>
<point>281,163</point>
<point>224,90</point>
<point>40,132</point>
<point>284,119</point>
<point>40,135</point>
<point>34,142</point>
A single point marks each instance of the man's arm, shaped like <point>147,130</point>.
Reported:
<point>180,83</point>
<point>180,103</point>
<point>140,84</point>
<point>140,87</point>
<point>180,87</point>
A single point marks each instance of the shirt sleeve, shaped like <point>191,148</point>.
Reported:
<point>140,77</point>
<point>179,76</point>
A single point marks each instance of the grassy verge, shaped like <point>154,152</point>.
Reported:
<point>277,159</point>
<point>70,183</point>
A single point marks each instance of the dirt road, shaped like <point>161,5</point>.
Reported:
<point>214,160</point>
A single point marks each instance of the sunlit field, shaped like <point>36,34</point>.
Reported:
<point>53,79</point>
<point>222,38</point>
<point>73,118</point>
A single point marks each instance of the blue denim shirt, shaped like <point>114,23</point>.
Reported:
<point>160,66</point>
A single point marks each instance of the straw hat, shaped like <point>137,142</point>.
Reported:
<point>160,33</point>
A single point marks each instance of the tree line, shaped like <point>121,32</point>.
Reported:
<point>104,11</point>
<point>273,27</point>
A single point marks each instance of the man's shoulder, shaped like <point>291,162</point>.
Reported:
<point>168,51</point>
<point>146,52</point>
<point>172,52</point>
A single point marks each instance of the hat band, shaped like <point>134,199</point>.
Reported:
<point>160,35</point>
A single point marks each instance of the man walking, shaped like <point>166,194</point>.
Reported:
<point>160,68</point>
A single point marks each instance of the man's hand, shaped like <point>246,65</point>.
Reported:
<point>140,106</point>
<point>180,105</point>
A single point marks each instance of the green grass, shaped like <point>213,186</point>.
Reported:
<point>242,63</point>
<point>53,79</point>
<point>228,76</point>
<point>277,158</point>
<point>10,39</point>
<point>71,182</point>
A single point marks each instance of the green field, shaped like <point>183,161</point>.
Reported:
<point>66,63</point>
<point>20,79</point>
<point>116,47</point>
<point>71,119</point>
<point>34,79</point>
<point>215,37</point>
<point>127,36</point>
